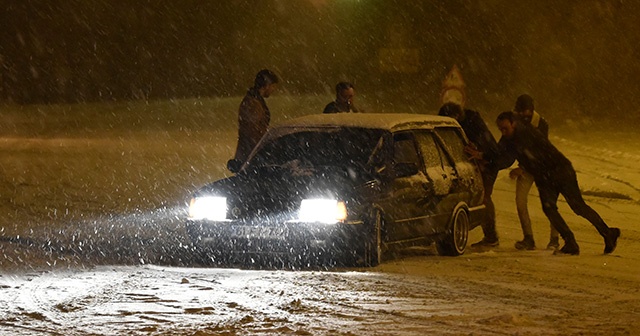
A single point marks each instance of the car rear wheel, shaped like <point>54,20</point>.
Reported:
<point>374,249</point>
<point>455,241</point>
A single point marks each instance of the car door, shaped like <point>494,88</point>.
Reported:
<point>469,186</point>
<point>443,179</point>
<point>407,188</point>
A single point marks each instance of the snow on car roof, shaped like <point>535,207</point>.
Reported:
<point>387,121</point>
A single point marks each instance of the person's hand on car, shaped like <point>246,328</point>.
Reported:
<point>473,152</point>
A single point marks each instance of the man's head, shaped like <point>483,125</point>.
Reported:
<point>266,82</point>
<point>452,110</point>
<point>506,122</point>
<point>524,107</point>
<point>345,93</point>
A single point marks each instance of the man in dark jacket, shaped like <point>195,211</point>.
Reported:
<point>525,109</point>
<point>553,175</point>
<point>253,117</point>
<point>482,140</point>
<point>344,99</point>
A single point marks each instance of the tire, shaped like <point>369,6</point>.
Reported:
<point>374,249</point>
<point>455,241</point>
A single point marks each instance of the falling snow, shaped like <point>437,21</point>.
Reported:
<point>92,241</point>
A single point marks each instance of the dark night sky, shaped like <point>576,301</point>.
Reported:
<point>580,55</point>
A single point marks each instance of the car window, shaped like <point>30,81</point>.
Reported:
<point>404,149</point>
<point>466,170</point>
<point>454,143</point>
<point>439,168</point>
<point>331,147</point>
<point>431,152</point>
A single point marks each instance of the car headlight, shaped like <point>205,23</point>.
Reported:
<point>322,210</point>
<point>208,207</point>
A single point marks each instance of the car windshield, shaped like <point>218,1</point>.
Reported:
<point>336,147</point>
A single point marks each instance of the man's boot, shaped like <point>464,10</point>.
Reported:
<point>487,242</point>
<point>526,244</point>
<point>570,247</point>
<point>611,240</point>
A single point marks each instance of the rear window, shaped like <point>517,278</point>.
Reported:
<point>336,147</point>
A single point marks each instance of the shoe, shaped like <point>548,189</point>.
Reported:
<point>569,248</point>
<point>611,240</point>
<point>554,244</point>
<point>486,243</point>
<point>526,244</point>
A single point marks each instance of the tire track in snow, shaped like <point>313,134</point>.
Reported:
<point>615,170</point>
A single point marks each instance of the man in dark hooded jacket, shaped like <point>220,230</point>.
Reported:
<point>553,175</point>
<point>253,117</point>
<point>481,139</point>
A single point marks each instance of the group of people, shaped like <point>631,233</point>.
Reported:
<point>524,139</point>
<point>254,115</point>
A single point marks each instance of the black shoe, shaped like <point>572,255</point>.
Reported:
<point>485,242</point>
<point>526,244</point>
<point>611,240</point>
<point>569,248</point>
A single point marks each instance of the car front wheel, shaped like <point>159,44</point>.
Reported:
<point>373,246</point>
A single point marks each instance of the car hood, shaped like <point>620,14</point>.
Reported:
<point>278,190</point>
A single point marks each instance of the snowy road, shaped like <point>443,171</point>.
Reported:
<point>69,267</point>
<point>174,301</point>
<point>502,292</point>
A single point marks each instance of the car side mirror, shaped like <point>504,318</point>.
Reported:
<point>234,165</point>
<point>405,169</point>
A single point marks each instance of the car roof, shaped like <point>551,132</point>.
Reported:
<point>385,121</point>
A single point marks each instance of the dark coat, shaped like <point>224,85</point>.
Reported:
<point>478,133</point>
<point>334,107</point>
<point>253,122</point>
<point>542,124</point>
<point>535,153</point>
<point>543,127</point>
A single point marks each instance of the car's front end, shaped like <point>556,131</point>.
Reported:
<point>300,195</point>
<point>257,214</point>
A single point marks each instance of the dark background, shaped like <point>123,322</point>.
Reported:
<point>578,58</point>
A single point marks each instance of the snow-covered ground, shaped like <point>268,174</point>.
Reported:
<point>92,242</point>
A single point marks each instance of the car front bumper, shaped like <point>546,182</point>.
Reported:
<point>290,238</point>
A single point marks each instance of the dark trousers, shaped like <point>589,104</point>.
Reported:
<point>489,225</point>
<point>564,181</point>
